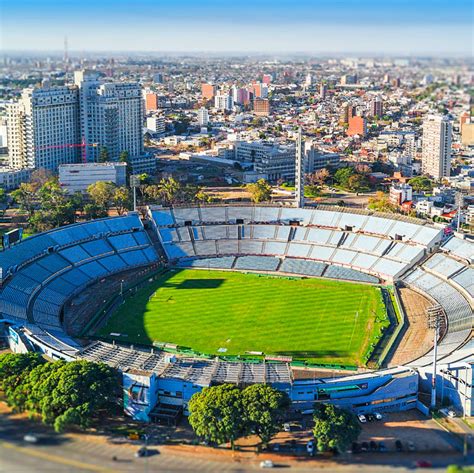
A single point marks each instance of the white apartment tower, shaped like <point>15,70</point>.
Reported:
<point>43,128</point>
<point>110,116</point>
<point>223,102</point>
<point>436,151</point>
<point>203,117</point>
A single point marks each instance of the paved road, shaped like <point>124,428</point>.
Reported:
<point>78,454</point>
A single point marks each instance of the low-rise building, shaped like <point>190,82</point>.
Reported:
<point>78,177</point>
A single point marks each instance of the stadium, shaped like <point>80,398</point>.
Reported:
<point>327,304</point>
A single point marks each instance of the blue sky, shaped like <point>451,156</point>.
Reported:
<point>317,26</point>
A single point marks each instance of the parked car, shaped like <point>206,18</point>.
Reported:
<point>266,464</point>
<point>31,438</point>
<point>423,464</point>
<point>276,447</point>
<point>307,412</point>
<point>378,416</point>
<point>287,427</point>
<point>398,446</point>
<point>451,413</point>
<point>382,447</point>
<point>362,418</point>
<point>364,447</point>
<point>355,447</point>
<point>142,452</point>
<point>369,417</point>
<point>411,446</point>
<point>373,446</point>
<point>310,447</point>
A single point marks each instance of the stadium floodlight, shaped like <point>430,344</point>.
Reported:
<point>134,183</point>
<point>435,318</point>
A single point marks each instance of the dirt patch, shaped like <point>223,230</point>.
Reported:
<point>418,338</point>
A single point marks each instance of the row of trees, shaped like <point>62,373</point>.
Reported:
<point>48,206</point>
<point>63,394</point>
<point>222,414</point>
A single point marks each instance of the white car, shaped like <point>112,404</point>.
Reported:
<point>266,464</point>
<point>451,413</point>
<point>310,447</point>
<point>377,415</point>
<point>31,438</point>
<point>286,427</point>
<point>362,418</point>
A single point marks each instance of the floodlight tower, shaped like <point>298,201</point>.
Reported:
<point>299,172</point>
<point>435,318</point>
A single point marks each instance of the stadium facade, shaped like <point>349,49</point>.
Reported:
<point>43,273</point>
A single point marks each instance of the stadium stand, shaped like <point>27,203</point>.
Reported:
<point>37,290</point>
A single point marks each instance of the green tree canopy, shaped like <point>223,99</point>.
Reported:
<point>25,197</point>
<point>216,414</point>
<point>264,407</point>
<point>121,199</point>
<point>15,367</point>
<point>101,194</point>
<point>342,175</point>
<point>67,393</point>
<point>103,155</point>
<point>260,191</point>
<point>334,428</point>
<point>421,183</point>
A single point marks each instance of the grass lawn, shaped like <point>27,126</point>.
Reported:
<point>318,320</point>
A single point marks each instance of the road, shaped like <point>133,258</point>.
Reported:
<point>86,453</point>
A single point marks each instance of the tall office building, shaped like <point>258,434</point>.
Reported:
<point>50,126</point>
<point>436,151</point>
<point>43,128</point>
<point>110,116</point>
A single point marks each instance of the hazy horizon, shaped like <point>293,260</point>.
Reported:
<point>370,27</point>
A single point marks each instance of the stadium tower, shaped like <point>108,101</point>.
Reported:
<point>299,172</point>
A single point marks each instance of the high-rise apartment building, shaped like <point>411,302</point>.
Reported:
<point>376,107</point>
<point>223,102</point>
<point>261,107</point>
<point>357,126</point>
<point>43,128</point>
<point>50,126</point>
<point>208,91</point>
<point>110,116</point>
<point>436,150</point>
<point>203,117</point>
<point>151,102</point>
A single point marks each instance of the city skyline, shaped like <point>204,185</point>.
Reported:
<point>394,28</point>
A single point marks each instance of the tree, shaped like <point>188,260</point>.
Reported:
<point>342,175</point>
<point>260,191</point>
<point>101,194</point>
<point>264,407</point>
<point>92,211</point>
<point>39,177</point>
<point>25,197</point>
<point>319,177</point>
<point>357,182</point>
<point>216,414</point>
<point>363,169</point>
<point>169,190</point>
<point>381,203</point>
<point>334,428</point>
<point>103,155</point>
<point>125,158</point>
<point>72,393</point>
<point>121,199</point>
<point>14,367</point>
<point>421,183</point>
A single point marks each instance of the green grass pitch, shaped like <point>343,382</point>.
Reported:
<point>321,321</point>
